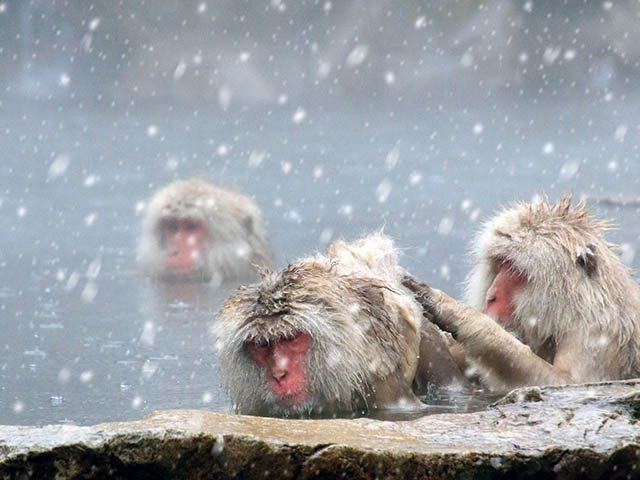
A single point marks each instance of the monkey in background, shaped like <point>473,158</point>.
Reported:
<point>549,301</point>
<point>193,230</point>
<point>331,334</point>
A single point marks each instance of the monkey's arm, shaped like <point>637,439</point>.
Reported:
<point>504,361</point>
<point>436,364</point>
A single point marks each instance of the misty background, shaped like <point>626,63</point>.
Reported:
<point>338,118</point>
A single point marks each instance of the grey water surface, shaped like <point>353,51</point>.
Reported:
<point>100,108</point>
<point>87,339</point>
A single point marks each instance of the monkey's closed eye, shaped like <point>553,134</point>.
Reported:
<point>191,224</point>
<point>169,225</point>
<point>258,351</point>
<point>258,344</point>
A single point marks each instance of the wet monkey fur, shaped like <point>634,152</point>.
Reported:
<point>331,334</point>
<point>548,301</point>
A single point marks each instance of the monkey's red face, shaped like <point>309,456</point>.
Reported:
<point>283,362</point>
<point>499,302</point>
<point>185,242</point>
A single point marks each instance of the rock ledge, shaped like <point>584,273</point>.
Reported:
<point>585,431</point>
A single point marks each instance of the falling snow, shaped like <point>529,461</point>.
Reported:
<point>286,167</point>
<point>392,158</point>
<point>148,333</point>
<point>336,118</point>
<point>90,180</point>
<point>93,270</point>
<point>621,133</point>
<point>59,165</point>
<point>224,97</point>
<point>299,115</point>
<point>415,177</point>
<point>89,292</point>
<point>389,78</point>
<point>222,150</point>
<point>256,158</point>
<point>64,375</point>
<point>207,397</point>
<point>384,190</point>
<point>64,80</point>
<point>178,73</point>
<point>149,368</point>
<point>568,171</point>
<point>446,226</point>
<point>357,56</point>
<point>218,446</point>
<point>90,219</point>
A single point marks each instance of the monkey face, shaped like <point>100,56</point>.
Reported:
<point>196,231</point>
<point>283,364</point>
<point>322,337</point>
<point>184,242</point>
<point>500,301</point>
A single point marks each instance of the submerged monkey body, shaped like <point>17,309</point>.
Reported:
<point>364,331</point>
<point>573,314</point>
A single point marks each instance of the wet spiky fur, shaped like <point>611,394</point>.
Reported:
<point>350,301</point>
<point>233,221</point>
<point>577,285</point>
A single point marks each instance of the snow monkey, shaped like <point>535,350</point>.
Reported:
<point>193,230</point>
<point>552,303</point>
<point>331,334</point>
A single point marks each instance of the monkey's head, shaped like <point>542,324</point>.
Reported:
<point>535,263</point>
<point>310,340</point>
<point>193,230</point>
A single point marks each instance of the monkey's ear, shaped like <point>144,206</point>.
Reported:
<point>248,223</point>
<point>587,260</point>
<point>370,293</point>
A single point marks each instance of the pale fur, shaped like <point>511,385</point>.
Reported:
<point>577,286</point>
<point>234,223</point>
<point>364,325</point>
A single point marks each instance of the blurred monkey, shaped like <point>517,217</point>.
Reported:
<point>193,230</point>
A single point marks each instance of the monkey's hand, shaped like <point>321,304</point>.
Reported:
<point>423,295</point>
<point>431,301</point>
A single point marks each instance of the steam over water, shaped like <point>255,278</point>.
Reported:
<point>338,118</point>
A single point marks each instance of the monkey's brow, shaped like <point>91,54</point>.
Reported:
<point>391,289</point>
<point>502,233</point>
<point>272,317</point>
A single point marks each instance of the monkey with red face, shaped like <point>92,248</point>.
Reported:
<point>193,230</point>
<point>549,301</point>
<point>331,334</point>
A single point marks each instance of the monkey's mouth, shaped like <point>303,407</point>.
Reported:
<point>186,275</point>
<point>288,398</point>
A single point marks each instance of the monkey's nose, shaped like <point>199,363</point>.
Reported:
<point>279,375</point>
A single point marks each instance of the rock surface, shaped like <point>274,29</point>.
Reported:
<point>583,431</point>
